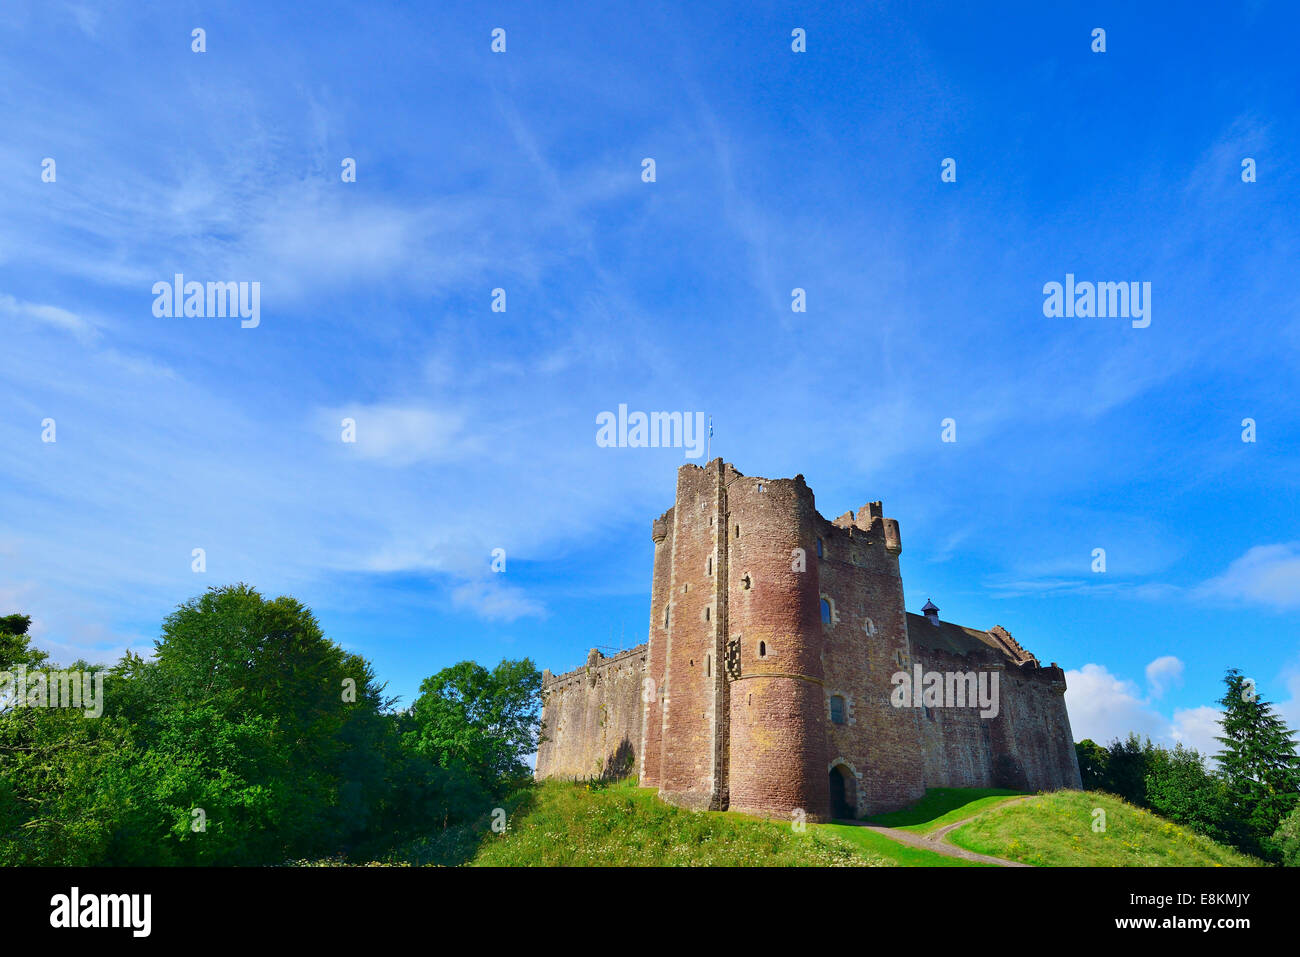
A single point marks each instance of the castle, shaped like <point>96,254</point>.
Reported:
<point>780,666</point>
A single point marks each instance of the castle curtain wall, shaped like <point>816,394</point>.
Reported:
<point>592,718</point>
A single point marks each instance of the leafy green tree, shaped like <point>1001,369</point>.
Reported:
<point>262,702</point>
<point>1178,787</point>
<point>250,738</point>
<point>1258,761</point>
<point>1287,839</point>
<point>1093,764</point>
<point>1126,768</point>
<point>55,807</point>
<point>15,643</point>
<point>485,722</point>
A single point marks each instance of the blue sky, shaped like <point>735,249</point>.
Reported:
<point>774,170</point>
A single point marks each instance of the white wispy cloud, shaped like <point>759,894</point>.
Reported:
<point>54,316</point>
<point>1266,575</point>
<point>1163,673</point>
<point>401,435</point>
<point>495,601</point>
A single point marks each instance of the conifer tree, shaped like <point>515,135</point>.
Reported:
<point>1258,761</point>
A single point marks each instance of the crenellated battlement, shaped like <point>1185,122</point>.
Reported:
<point>596,661</point>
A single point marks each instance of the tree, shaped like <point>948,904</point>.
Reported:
<point>254,696</point>
<point>15,643</point>
<point>1093,764</point>
<point>1179,788</point>
<point>251,738</point>
<point>1258,761</point>
<point>1127,767</point>
<point>1287,839</point>
<point>485,721</point>
<point>55,807</point>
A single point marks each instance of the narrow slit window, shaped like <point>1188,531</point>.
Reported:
<point>837,709</point>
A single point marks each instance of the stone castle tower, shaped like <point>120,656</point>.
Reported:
<point>776,640</point>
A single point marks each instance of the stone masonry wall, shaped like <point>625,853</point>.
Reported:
<point>656,674</point>
<point>591,718</point>
<point>691,774</point>
<point>866,642</point>
<point>778,737</point>
<point>1041,742</point>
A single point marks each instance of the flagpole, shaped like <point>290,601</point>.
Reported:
<point>708,456</point>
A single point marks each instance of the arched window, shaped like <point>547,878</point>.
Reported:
<point>826,612</point>
<point>837,709</point>
<point>762,649</point>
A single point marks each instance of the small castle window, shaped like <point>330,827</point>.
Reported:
<point>710,571</point>
<point>708,666</point>
<point>826,612</point>
<point>760,486</point>
<point>686,588</point>
<point>706,612</point>
<point>819,548</point>
<point>746,582</point>
<point>665,616</point>
<point>738,531</point>
<point>762,649</point>
<point>837,709</point>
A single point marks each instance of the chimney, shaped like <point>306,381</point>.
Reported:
<point>931,612</point>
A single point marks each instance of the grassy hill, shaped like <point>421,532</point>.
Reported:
<point>942,806</point>
<point>563,824</point>
<point>1055,830</point>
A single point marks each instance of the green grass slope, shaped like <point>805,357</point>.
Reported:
<point>902,855</point>
<point>571,825</point>
<point>1056,830</point>
<point>942,806</point>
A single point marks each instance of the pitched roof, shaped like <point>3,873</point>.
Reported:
<point>957,640</point>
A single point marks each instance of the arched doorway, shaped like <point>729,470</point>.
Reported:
<point>844,793</point>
